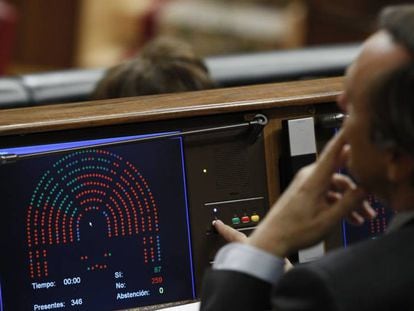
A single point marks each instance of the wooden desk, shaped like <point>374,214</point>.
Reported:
<point>277,101</point>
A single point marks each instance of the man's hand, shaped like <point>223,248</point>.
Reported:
<point>317,199</point>
<point>229,233</point>
<point>232,235</point>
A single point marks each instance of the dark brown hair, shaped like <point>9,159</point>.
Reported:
<point>392,120</point>
<point>398,20</point>
<point>392,98</point>
<point>165,65</point>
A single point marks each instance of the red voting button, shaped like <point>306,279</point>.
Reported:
<point>245,219</point>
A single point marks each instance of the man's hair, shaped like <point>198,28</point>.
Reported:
<point>399,22</point>
<point>392,120</point>
<point>165,65</point>
<point>392,99</point>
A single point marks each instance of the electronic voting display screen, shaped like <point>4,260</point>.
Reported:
<point>103,228</point>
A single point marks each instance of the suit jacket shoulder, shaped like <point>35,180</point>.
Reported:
<point>372,275</point>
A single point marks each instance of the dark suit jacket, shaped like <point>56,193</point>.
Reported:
<point>371,275</point>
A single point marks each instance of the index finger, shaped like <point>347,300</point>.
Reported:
<point>228,233</point>
<point>330,159</point>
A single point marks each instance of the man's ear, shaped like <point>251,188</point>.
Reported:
<point>400,166</point>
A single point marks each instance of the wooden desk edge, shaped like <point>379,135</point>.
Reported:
<point>168,106</point>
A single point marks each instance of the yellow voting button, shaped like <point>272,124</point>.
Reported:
<point>255,218</point>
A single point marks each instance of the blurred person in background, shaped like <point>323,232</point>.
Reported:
<point>164,65</point>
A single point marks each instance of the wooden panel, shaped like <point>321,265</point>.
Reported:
<point>168,106</point>
<point>343,20</point>
<point>46,33</point>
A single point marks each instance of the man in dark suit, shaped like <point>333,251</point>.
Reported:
<point>376,144</point>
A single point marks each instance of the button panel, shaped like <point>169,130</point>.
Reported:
<point>238,221</point>
<point>241,214</point>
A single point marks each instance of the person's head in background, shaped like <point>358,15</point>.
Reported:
<point>164,65</point>
<point>379,100</point>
